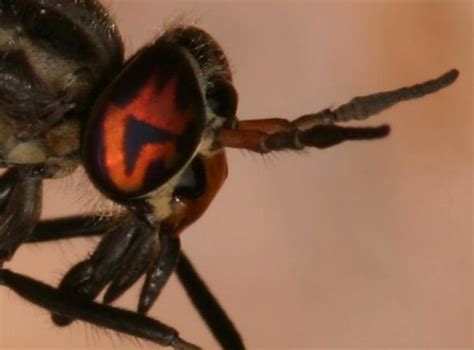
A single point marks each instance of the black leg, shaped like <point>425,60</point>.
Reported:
<point>138,258</point>
<point>208,307</point>
<point>89,277</point>
<point>7,182</point>
<point>20,208</point>
<point>69,227</point>
<point>109,317</point>
<point>122,257</point>
<point>159,272</point>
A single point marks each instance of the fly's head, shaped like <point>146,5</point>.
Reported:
<point>159,115</point>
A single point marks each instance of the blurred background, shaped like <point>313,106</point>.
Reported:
<point>365,245</point>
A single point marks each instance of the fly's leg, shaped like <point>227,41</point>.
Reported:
<point>119,239</point>
<point>101,315</point>
<point>69,227</point>
<point>208,306</point>
<point>20,207</point>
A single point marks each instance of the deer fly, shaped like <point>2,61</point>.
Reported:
<point>151,132</point>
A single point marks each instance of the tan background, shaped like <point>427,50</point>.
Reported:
<point>366,245</point>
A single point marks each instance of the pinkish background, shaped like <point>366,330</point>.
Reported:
<point>365,245</point>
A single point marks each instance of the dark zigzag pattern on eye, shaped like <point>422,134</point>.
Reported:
<point>137,135</point>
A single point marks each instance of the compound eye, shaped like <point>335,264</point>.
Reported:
<point>147,125</point>
<point>222,98</point>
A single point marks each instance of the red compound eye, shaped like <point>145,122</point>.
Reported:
<point>147,125</point>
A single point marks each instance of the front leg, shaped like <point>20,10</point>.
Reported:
<point>101,315</point>
<point>20,207</point>
<point>124,254</point>
<point>201,296</point>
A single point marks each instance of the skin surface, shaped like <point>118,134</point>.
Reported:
<point>364,245</point>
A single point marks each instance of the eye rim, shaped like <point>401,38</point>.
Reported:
<point>190,79</point>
